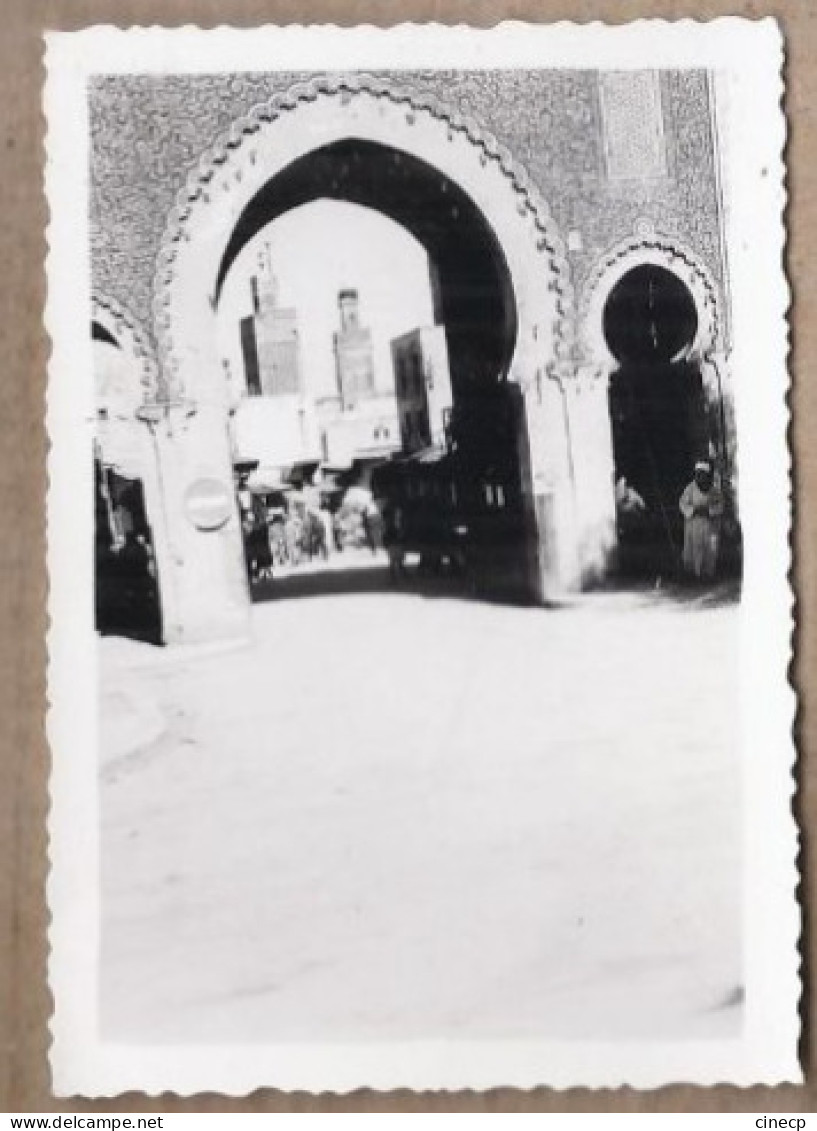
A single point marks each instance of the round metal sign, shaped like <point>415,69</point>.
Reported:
<point>208,504</point>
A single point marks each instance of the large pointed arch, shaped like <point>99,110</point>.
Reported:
<point>508,219</point>
<point>326,110</point>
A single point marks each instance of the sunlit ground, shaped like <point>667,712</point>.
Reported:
<point>399,816</point>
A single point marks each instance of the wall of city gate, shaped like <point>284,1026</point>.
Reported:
<point>617,163</point>
<point>576,136</point>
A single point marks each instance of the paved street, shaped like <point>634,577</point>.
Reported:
<point>399,816</point>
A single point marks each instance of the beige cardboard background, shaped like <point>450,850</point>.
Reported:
<point>24,999</point>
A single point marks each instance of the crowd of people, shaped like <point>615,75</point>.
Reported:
<point>299,525</point>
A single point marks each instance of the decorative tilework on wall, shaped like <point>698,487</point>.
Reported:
<point>633,124</point>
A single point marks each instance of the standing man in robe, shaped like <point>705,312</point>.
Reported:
<point>701,504</point>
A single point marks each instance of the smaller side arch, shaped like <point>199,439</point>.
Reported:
<point>136,344</point>
<point>638,251</point>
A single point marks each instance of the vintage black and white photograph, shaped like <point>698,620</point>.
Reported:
<point>415,429</point>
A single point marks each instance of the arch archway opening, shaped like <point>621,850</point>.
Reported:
<point>658,413</point>
<point>472,300</point>
<point>499,269</point>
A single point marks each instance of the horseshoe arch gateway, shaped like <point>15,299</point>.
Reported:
<point>209,594</point>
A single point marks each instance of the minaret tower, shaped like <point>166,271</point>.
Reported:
<point>354,359</point>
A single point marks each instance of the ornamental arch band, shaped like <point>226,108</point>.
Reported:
<point>533,219</point>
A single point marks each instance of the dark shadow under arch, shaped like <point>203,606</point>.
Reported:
<point>649,316</point>
<point>658,412</point>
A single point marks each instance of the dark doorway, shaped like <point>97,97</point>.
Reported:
<point>658,413</point>
<point>127,591</point>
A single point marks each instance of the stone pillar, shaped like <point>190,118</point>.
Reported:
<point>572,477</point>
<point>552,485</point>
<point>720,405</point>
<point>155,470</point>
<point>590,437</point>
<point>716,375</point>
<point>205,595</point>
<point>202,576</point>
